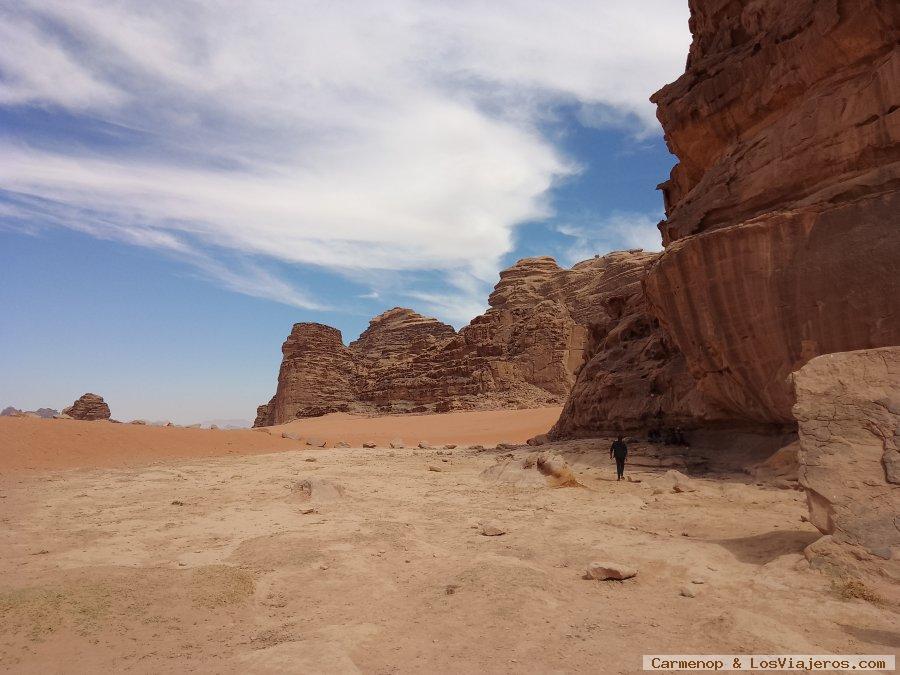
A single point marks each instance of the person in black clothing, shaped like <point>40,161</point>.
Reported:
<point>620,451</point>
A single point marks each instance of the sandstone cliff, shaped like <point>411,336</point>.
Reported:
<point>525,350</point>
<point>782,234</point>
<point>88,407</point>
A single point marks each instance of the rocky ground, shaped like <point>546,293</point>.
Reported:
<point>375,561</point>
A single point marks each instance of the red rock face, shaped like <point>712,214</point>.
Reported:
<point>782,226</point>
<point>88,407</point>
<point>634,377</point>
<point>524,351</point>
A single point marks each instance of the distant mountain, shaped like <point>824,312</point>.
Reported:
<point>230,423</point>
<point>46,413</point>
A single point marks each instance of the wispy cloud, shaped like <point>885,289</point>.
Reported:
<point>356,137</point>
<point>619,231</point>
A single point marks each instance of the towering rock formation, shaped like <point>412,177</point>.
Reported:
<point>524,351</point>
<point>782,233</point>
<point>316,373</point>
<point>88,407</point>
<point>634,377</point>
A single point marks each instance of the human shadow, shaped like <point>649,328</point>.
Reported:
<point>874,635</point>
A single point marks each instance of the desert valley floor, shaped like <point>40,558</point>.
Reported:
<point>261,554</point>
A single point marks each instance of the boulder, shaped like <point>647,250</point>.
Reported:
<point>370,444</point>
<point>317,489</point>
<point>604,571</point>
<point>536,470</point>
<point>848,410</point>
<point>88,407</point>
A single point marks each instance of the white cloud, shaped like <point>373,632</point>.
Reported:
<point>619,231</point>
<point>359,137</point>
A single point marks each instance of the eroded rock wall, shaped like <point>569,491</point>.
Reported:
<point>782,232</point>
<point>634,377</point>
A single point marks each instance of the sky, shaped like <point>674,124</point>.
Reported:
<point>182,180</point>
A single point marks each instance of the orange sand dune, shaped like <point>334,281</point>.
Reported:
<point>486,427</point>
<point>32,444</point>
<point>71,444</point>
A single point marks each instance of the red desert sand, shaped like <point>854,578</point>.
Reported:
<point>69,444</point>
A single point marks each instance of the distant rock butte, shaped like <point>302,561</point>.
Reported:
<point>781,234</point>
<point>88,407</point>
<point>524,351</point>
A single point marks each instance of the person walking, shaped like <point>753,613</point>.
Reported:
<point>620,451</point>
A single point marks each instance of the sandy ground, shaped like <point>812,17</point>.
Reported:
<point>484,427</point>
<point>219,564</point>
<point>29,444</point>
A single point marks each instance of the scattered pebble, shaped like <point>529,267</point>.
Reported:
<point>492,529</point>
<point>689,592</point>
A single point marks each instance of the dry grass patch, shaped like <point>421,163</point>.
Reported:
<point>39,611</point>
<point>854,588</point>
<point>221,585</point>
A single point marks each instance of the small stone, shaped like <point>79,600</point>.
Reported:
<point>397,443</point>
<point>450,446</point>
<point>310,459</point>
<point>492,529</point>
<point>291,435</point>
<point>689,592</point>
<point>425,446</point>
<point>315,442</point>
<point>369,444</point>
<point>609,570</point>
<point>342,444</point>
<point>432,467</point>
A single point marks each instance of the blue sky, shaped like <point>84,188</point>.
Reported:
<point>179,185</point>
